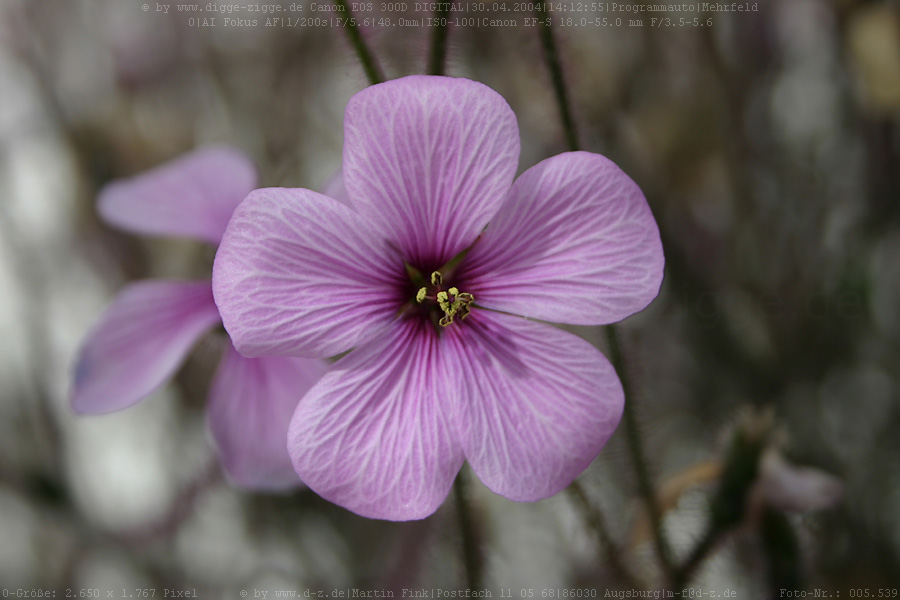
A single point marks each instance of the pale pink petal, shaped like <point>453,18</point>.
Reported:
<point>538,403</point>
<point>574,243</point>
<point>139,342</point>
<point>250,407</point>
<point>793,488</point>
<point>375,435</point>
<point>428,161</point>
<point>192,196</point>
<point>301,274</point>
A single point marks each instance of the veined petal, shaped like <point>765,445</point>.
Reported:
<point>139,342</point>
<point>250,406</point>
<point>375,434</point>
<point>538,403</point>
<point>192,196</point>
<point>574,243</point>
<point>428,161</point>
<point>301,274</point>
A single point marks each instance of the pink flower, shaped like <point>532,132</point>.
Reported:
<point>145,335</point>
<point>788,487</point>
<point>423,273</point>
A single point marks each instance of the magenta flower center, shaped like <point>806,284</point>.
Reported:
<point>443,305</point>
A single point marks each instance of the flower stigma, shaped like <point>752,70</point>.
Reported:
<point>452,302</point>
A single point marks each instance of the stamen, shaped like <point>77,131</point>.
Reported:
<point>452,302</point>
<point>443,301</point>
<point>464,311</point>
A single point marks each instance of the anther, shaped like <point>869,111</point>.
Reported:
<point>452,302</point>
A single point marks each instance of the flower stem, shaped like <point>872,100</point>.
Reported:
<point>439,41</point>
<point>682,575</point>
<point>597,522</point>
<point>732,496</point>
<point>556,74</point>
<point>373,72</point>
<point>632,430</point>
<point>783,552</point>
<point>471,551</point>
<point>636,449</point>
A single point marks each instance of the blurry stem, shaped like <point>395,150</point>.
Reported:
<point>735,149</point>
<point>698,554</point>
<point>782,552</point>
<point>632,430</point>
<point>556,74</point>
<point>181,508</point>
<point>373,72</point>
<point>471,552</point>
<point>597,522</point>
<point>636,449</point>
<point>439,41</point>
<point>730,501</point>
<point>29,272</point>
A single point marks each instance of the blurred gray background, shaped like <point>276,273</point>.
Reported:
<point>767,145</point>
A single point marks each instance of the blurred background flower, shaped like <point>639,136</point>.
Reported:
<point>767,145</point>
<point>145,334</point>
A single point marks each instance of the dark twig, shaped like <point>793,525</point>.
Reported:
<point>559,85</point>
<point>597,522</point>
<point>471,550</point>
<point>632,430</point>
<point>373,72</point>
<point>636,449</point>
<point>439,41</point>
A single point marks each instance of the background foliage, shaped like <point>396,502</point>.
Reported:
<point>767,145</point>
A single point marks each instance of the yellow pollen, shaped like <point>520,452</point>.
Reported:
<point>443,301</point>
<point>452,302</point>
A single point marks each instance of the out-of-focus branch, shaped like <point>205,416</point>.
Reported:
<point>638,459</point>
<point>439,39</point>
<point>597,522</point>
<point>632,430</point>
<point>472,557</point>
<point>370,66</point>
<point>180,509</point>
<point>730,500</point>
<point>29,273</point>
<point>556,75</point>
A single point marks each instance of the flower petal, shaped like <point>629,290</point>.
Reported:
<point>375,434</point>
<point>428,161</point>
<point>538,403</point>
<point>574,243</point>
<point>192,196</point>
<point>793,488</point>
<point>139,343</point>
<point>301,274</point>
<point>250,406</point>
